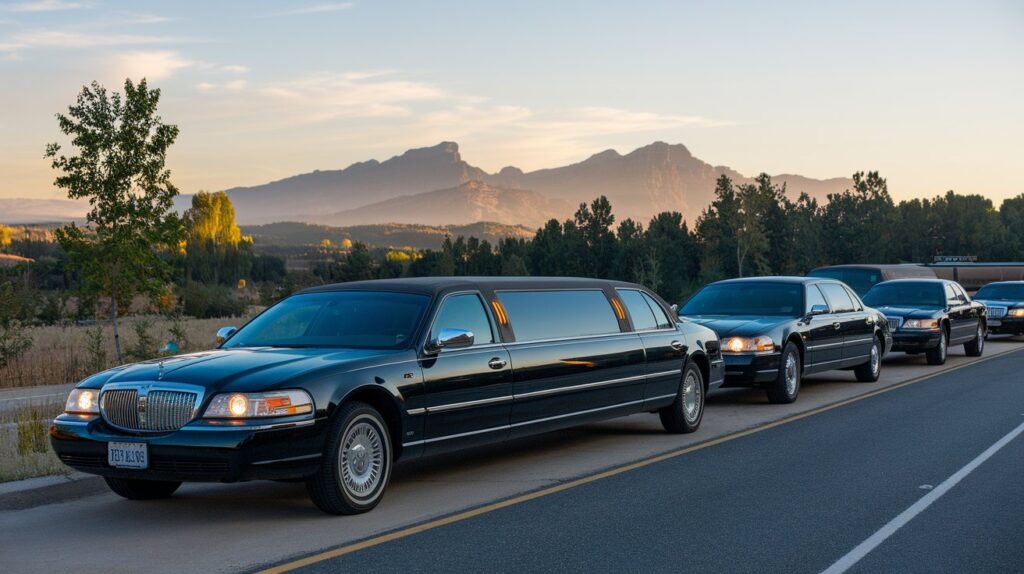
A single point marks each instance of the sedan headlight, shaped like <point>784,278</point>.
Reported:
<point>255,405</point>
<point>759,344</point>
<point>1015,312</point>
<point>921,324</point>
<point>83,402</point>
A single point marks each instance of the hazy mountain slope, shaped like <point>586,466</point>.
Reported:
<point>293,234</point>
<point>467,203</point>
<point>22,210</point>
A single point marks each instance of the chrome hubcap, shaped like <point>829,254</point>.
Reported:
<point>981,338</point>
<point>362,459</point>
<point>942,346</point>
<point>875,359</point>
<point>791,373</point>
<point>692,394</point>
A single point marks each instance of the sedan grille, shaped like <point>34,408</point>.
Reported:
<point>157,410</point>
<point>894,322</point>
<point>996,312</point>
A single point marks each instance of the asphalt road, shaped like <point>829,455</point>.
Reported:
<point>760,487</point>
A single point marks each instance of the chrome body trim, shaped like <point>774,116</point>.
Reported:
<point>469,404</point>
<point>248,427</point>
<point>289,459</point>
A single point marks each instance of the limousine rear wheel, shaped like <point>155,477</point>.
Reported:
<point>976,347</point>
<point>937,356</point>
<point>685,413</point>
<point>786,386</point>
<point>138,489</point>
<point>356,466</point>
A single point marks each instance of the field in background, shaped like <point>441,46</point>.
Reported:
<point>66,354</point>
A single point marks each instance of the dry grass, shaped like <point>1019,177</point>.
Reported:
<point>61,355</point>
<point>24,446</point>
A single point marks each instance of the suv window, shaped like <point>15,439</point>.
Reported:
<point>538,315</point>
<point>659,312</point>
<point>464,311</point>
<point>837,295</point>
<point>639,311</point>
<point>814,297</point>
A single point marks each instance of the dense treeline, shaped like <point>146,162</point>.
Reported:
<point>749,229</point>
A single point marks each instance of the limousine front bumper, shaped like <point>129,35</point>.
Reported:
<point>914,341</point>
<point>1010,325</point>
<point>195,452</point>
<point>749,369</point>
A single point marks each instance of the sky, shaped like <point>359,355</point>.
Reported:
<point>928,93</point>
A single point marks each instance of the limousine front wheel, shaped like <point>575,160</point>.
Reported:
<point>356,466</point>
<point>684,415</point>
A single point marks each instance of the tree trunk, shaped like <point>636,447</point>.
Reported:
<point>113,322</point>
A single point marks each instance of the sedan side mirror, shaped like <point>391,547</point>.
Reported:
<point>224,333</point>
<point>450,339</point>
<point>818,310</point>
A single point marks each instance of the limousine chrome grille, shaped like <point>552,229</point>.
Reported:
<point>142,408</point>
<point>996,312</point>
<point>894,322</point>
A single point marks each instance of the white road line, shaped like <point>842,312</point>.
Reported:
<point>864,548</point>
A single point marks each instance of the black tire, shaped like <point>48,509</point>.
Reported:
<point>138,489</point>
<point>937,356</point>
<point>368,455</point>
<point>871,370</point>
<point>677,418</point>
<point>976,347</point>
<point>783,390</point>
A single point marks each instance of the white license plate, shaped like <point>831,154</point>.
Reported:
<point>127,454</point>
<point>994,322</point>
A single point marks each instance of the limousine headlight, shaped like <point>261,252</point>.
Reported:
<point>759,344</point>
<point>1015,312</point>
<point>83,402</point>
<point>921,324</point>
<point>255,405</point>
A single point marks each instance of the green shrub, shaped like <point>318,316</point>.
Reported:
<point>210,301</point>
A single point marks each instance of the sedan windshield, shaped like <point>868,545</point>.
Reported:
<point>352,319</point>
<point>747,298</point>
<point>906,295</point>
<point>1006,292</point>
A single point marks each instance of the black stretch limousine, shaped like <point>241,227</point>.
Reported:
<point>335,383</point>
<point>775,330</point>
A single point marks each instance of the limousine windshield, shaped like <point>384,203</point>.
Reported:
<point>906,294</point>
<point>747,298</point>
<point>350,319</point>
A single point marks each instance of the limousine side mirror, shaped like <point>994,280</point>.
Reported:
<point>817,310</point>
<point>224,333</point>
<point>450,339</point>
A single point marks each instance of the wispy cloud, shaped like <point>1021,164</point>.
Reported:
<point>157,65</point>
<point>316,9</point>
<point>146,19</point>
<point>40,6</point>
<point>62,39</point>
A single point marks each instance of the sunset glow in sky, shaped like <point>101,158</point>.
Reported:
<point>928,93</point>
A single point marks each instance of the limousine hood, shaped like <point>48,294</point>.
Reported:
<point>1008,303</point>
<point>250,369</point>
<point>912,312</point>
<point>739,325</point>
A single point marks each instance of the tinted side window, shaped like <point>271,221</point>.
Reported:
<point>814,297</point>
<point>464,312</point>
<point>659,312</point>
<point>639,311</point>
<point>838,297</point>
<point>857,306</point>
<point>951,297</point>
<point>961,294</point>
<point>538,315</point>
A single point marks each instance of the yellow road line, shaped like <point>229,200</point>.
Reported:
<point>467,514</point>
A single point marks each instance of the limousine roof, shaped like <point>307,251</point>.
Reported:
<point>776,279</point>
<point>434,285</point>
<point>881,266</point>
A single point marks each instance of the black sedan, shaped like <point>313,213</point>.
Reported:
<point>1005,303</point>
<point>774,330</point>
<point>334,384</point>
<point>928,315</point>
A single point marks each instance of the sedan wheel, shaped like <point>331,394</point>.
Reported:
<point>937,356</point>
<point>786,386</point>
<point>356,464</point>
<point>977,346</point>
<point>684,415</point>
<point>870,371</point>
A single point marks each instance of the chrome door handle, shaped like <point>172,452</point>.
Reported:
<point>677,345</point>
<point>837,325</point>
<point>497,363</point>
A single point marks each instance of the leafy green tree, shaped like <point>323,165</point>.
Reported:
<point>1011,213</point>
<point>860,223</point>
<point>119,164</point>
<point>215,249</point>
<point>751,237</point>
<point>671,264</point>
